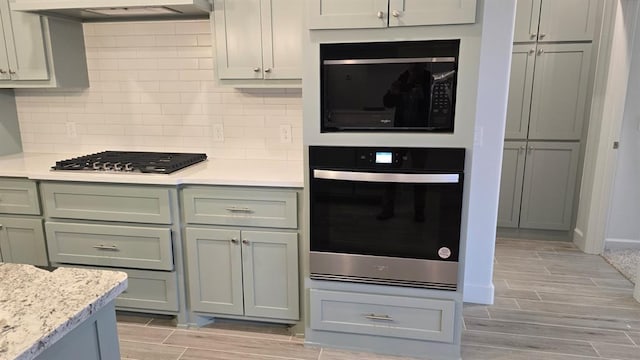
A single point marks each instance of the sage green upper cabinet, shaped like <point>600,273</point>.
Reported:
<point>553,20</point>
<point>24,45</point>
<point>258,39</point>
<point>559,95</point>
<point>37,51</point>
<point>354,14</point>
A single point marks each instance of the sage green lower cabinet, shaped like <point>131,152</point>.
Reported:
<point>383,315</point>
<point>134,228</point>
<point>22,241</point>
<point>538,184</point>
<point>242,272</point>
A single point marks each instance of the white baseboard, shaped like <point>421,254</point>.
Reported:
<point>611,243</point>
<point>478,294</point>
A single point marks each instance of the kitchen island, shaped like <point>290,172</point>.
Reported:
<point>62,314</point>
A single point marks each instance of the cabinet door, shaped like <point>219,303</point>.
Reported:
<point>559,91</point>
<point>339,14</point>
<point>513,157</point>
<point>567,20</point>
<point>527,15</point>
<point>431,12</point>
<point>25,44</point>
<point>22,241</point>
<point>238,39</point>
<point>549,184</point>
<point>270,271</point>
<point>214,269</point>
<point>282,39</point>
<point>520,83</point>
<point>4,60</point>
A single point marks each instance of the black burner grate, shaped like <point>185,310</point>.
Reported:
<point>132,161</point>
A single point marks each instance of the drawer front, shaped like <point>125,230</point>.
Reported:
<point>383,315</point>
<point>147,290</point>
<point>242,207</point>
<point>110,245</point>
<point>152,290</point>
<point>140,204</point>
<point>19,196</point>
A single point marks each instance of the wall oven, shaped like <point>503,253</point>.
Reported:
<point>386,215</point>
<point>405,86</point>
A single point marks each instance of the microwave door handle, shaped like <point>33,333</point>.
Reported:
<point>387,177</point>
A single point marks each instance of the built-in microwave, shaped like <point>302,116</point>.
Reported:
<point>405,86</point>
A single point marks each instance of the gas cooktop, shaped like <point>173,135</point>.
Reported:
<point>131,162</point>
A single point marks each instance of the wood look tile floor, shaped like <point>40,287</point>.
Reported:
<point>552,302</point>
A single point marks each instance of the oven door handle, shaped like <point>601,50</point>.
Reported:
<point>387,177</point>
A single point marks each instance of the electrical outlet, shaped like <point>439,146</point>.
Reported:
<point>72,132</point>
<point>218,133</point>
<point>285,133</point>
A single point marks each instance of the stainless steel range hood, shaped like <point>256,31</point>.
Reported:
<point>116,10</point>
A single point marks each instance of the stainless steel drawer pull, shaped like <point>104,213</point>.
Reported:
<point>378,317</point>
<point>106,247</point>
<point>239,209</point>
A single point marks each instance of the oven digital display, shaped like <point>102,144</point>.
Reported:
<point>384,157</point>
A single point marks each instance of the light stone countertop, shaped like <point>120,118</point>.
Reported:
<point>241,172</point>
<point>38,307</point>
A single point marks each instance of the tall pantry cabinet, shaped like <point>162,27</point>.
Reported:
<point>546,114</point>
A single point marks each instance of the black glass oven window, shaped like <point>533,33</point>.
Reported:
<point>394,86</point>
<point>386,219</point>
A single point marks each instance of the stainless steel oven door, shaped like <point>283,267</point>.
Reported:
<point>384,227</point>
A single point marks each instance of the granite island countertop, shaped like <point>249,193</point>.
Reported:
<point>39,307</point>
<point>239,172</point>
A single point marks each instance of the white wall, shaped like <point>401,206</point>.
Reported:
<point>153,87</point>
<point>623,227</point>
<point>486,160</point>
<point>611,84</point>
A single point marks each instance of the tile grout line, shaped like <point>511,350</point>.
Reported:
<point>594,349</point>
<point>630,338</point>
<point>181,355</point>
<point>167,337</point>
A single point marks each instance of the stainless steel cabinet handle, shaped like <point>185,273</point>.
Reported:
<point>106,247</point>
<point>239,209</point>
<point>533,35</point>
<point>378,317</point>
<point>267,70</point>
<point>540,51</point>
<point>387,177</point>
<point>234,240</point>
<point>246,242</point>
<point>531,148</point>
<point>3,71</point>
<point>542,35</point>
<point>395,13</point>
<point>532,51</point>
<point>523,148</point>
<point>256,69</point>
<point>12,72</point>
<point>380,14</point>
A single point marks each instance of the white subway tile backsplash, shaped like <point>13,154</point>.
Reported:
<point>192,27</point>
<point>153,88</point>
